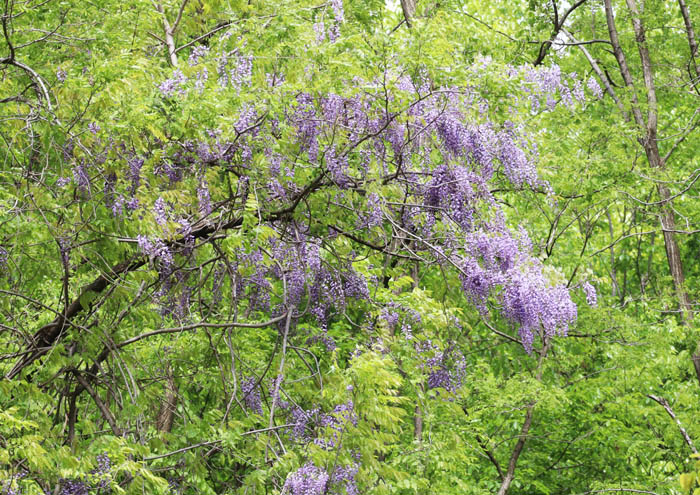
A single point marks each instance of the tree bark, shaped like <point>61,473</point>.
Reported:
<point>524,430</point>
<point>692,42</point>
<point>106,413</point>
<point>649,141</point>
<point>166,414</point>
<point>418,424</point>
<point>409,9</point>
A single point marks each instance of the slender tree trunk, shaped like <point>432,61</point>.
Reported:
<point>409,9</point>
<point>692,42</point>
<point>649,141</point>
<point>418,423</point>
<point>524,430</point>
<point>166,414</point>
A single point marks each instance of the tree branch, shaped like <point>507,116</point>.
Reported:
<point>664,403</point>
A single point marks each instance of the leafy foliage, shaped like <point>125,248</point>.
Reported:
<point>301,248</point>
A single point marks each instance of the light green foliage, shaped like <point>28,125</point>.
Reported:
<point>594,427</point>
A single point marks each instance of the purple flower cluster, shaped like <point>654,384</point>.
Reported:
<point>205,207</point>
<point>307,125</point>
<point>10,486</point>
<point>238,76</point>
<point>175,84</point>
<point>390,317</point>
<point>98,482</point>
<point>303,421</point>
<point>530,302</point>
<point>307,480</point>
<point>594,87</point>
<point>320,30</point>
<point>445,369</point>
<point>591,294</point>
<point>518,167</point>
<point>201,79</point>
<point>456,191</point>
<point>135,165</point>
<point>338,10</point>
<point>333,31</point>
<point>345,476</point>
<point>156,249</point>
<point>251,395</point>
<point>81,178</point>
<point>198,53</point>
<point>543,84</point>
<point>4,257</point>
<point>324,338</point>
<point>160,211</point>
<point>274,79</point>
<point>374,216</point>
<point>441,155</point>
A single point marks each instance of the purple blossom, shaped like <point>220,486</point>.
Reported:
<point>332,107</point>
<point>591,294</point>
<point>566,96</point>
<point>135,165</point>
<point>104,464</point>
<point>307,480</point>
<point>221,66</point>
<point>201,79</point>
<point>4,257</point>
<point>118,206</point>
<point>145,245</point>
<point>94,128</point>
<point>274,79</point>
<point>156,249</point>
<point>532,303</point>
<point>198,52</point>
<point>325,339</point>
<point>374,215</point>
<point>242,74</point>
<point>205,207</point>
<point>519,169</point>
<point>338,11</point>
<point>74,487</point>
<point>296,286</point>
<point>301,420</point>
<point>175,83</point>
<point>246,118</point>
<point>594,87</point>
<point>80,176</point>
<point>337,166</point>
<point>251,395</point>
<point>63,181</point>
<point>159,211</point>
<point>577,90</point>
<point>355,285</point>
<point>98,482</point>
<point>390,317</point>
<point>345,475</point>
<point>447,369</point>
<point>320,30</point>
<point>61,75</point>
<point>334,33</point>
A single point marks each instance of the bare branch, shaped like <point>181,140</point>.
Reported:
<point>664,403</point>
<point>106,413</point>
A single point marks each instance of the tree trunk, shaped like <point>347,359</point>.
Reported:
<point>166,414</point>
<point>409,9</point>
